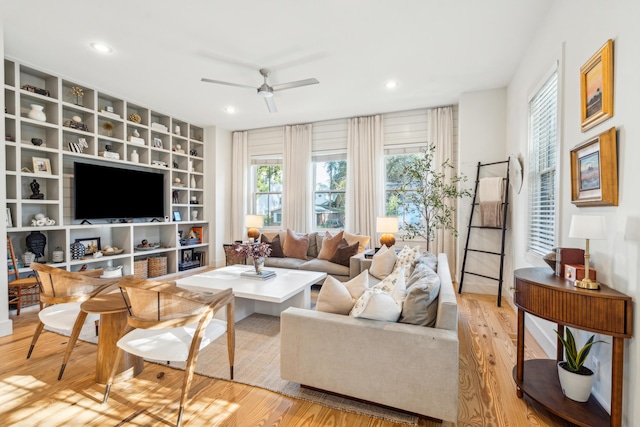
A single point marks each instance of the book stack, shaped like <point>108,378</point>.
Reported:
<point>263,275</point>
<point>159,126</point>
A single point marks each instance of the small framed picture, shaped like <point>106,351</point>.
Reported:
<point>176,216</point>
<point>596,87</point>
<point>41,165</point>
<point>91,244</point>
<point>9,219</point>
<point>187,255</point>
<point>157,142</point>
<point>594,171</point>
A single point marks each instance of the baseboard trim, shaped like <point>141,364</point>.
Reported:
<point>6,327</point>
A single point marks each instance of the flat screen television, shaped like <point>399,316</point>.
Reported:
<point>107,192</point>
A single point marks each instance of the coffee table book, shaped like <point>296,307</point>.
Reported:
<point>263,275</point>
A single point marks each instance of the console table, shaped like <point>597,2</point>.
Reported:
<point>539,292</point>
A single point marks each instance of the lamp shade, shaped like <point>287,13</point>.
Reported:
<point>254,221</point>
<point>387,224</point>
<point>587,227</point>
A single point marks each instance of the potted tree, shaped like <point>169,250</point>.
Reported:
<point>576,380</point>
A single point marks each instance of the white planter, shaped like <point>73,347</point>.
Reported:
<point>575,386</point>
<point>37,113</point>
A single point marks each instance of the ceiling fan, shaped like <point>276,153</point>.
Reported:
<point>266,91</point>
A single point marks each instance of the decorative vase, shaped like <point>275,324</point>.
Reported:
<point>28,257</point>
<point>57,255</point>
<point>258,264</point>
<point>193,181</point>
<point>77,250</point>
<point>575,386</point>
<point>37,113</point>
<point>135,157</point>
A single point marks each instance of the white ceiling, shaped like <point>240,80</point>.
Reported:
<point>434,49</point>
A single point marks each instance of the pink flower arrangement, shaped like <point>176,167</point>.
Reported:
<point>253,250</point>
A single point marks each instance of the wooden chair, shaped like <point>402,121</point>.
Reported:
<point>169,323</point>
<point>21,289</point>
<point>62,292</point>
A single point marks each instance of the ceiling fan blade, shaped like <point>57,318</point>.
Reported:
<point>227,83</point>
<point>292,85</point>
<point>271,104</point>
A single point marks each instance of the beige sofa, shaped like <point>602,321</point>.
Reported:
<point>409,367</point>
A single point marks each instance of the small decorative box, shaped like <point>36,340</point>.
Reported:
<point>575,272</point>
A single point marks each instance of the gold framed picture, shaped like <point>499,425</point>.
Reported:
<point>596,87</point>
<point>41,165</point>
<point>594,171</point>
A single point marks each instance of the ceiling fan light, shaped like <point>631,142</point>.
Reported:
<point>265,91</point>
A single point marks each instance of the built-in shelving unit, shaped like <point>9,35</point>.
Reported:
<point>96,127</point>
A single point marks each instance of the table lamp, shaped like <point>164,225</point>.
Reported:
<point>587,227</point>
<point>387,225</point>
<point>253,223</point>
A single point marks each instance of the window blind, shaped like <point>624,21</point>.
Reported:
<point>543,135</point>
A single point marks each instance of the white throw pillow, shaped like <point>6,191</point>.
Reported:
<point>339,297</point>
<point>406,257</point>
<point>383,262</point>
<point>363,241</point>
<point>395,285</point>
<point>376,304</point>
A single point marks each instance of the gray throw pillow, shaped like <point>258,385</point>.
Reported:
<point>429,259</point>
<point>421,305</point>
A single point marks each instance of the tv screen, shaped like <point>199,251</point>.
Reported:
<point>106,192</point>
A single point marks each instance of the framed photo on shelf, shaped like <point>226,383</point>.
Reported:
<point>594,171</point>
<point>187,255</point>
<point>157,142</point>
<point>41,165</point>
<point>176,216</point>
<point>9,219</point>
<point>91,244</point>
<point>198,232</point>
<point>596,87</point>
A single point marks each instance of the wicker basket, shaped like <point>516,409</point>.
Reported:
<point>157,266</point>
<point>140,268</point>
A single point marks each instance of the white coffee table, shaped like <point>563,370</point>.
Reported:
<point>290,288</point>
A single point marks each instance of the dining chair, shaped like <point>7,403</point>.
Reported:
<point>169,323</point>
<point>62,292</point>
<point>21,289</point>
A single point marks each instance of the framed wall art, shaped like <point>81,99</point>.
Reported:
<point>596,87</point>
<point>41,165</point>
<point>91,244</point>
<point>594,171</point>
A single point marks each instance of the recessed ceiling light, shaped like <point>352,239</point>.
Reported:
<point>391,84</point>
<point>230,110</point>
<point>101,47</point>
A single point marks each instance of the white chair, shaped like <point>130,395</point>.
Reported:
<point>169,323</point>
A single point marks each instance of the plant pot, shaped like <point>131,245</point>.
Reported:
<point>575,386</point>
<point>258,264</point>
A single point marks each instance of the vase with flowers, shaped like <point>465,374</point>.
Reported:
<point>257,251</point>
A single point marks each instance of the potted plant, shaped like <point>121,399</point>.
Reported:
<point>257,251</point>
<point>576,380</point>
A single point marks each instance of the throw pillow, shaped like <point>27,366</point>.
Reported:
<point>329,245</point>
<point>395,285</point>
<point>421,303</point>
<point>429,259</point>
<point>363,241</point>
<point>383,262</point>
<point>344,252</point>
<point>339,297</point>
<point>376,304</point>
<point>276,247</point>
<point>295,245</point>
<point>406,257</point>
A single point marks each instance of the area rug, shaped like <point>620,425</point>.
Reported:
<point>257,363</point>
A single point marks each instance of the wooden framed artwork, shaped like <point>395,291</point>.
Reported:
<point>596,87</point>
<point>41,165</point>
<point>594,171</point>
<point>91,244</point>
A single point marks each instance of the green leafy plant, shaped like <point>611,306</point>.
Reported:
<point>575,358</point>
<point>428,192</point>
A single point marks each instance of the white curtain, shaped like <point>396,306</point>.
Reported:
<point>239,183</point>
<point>440,128</point>
<point>297,191</point>
<point>365,175</point>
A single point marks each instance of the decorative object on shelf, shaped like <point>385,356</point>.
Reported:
<point>135,118</point>
<point>175,197</point>
<point>596,87</point>
<point>76,119</point>
<point>111,250</point>
<point>587,227</point>
<point>144,245</point>
<point>194,200</point>
<point>193,182</point>
<point>36,242</point>
<point>194,215</point>
<point>26,169</point>
<point>387,225</point>
<point>41,220</point>
<point>159,126</point>
<point>78,93</point>
<point>195,233</point>
<point>190,165</point>
<point>36,141</point>
<point>57,255</point>
<point>35,191</point>
<point>77,250</point>
<point>37,90</point>
<point>108,127</point>
<point>177,130</point>
<point>193,152</point>
<point>108,109</point>
<point>76,124</point>
<point>576,380</point>
<point>176,216</point>
<point>135,157</point>
<point>91,244</point>
<point>109,155</point>
<point>37,113</point>
<point>175,164</point>
<point>135,133</point>
<point>9,219</point>
<point>78,147</point>
<point>111,272</point>
<point>177,182</point>
<point>8,137</point>
<point>159,163</point>
<point>594,171</point>
<point>253,223</point>
<point>157,142</point>
<point>27,258</point>
<point>257,251</point>
<point>41,165</point>
<point>178,149</point>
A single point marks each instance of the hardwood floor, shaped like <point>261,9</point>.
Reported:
<point>32,396</point>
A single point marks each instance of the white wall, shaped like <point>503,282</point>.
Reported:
<point>572,32</point>
<point>482,122</point>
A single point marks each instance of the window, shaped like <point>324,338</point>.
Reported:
<point>268,193</point>
<point>395,195</point>
<point>330,182</point>
<point>543,131</point>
